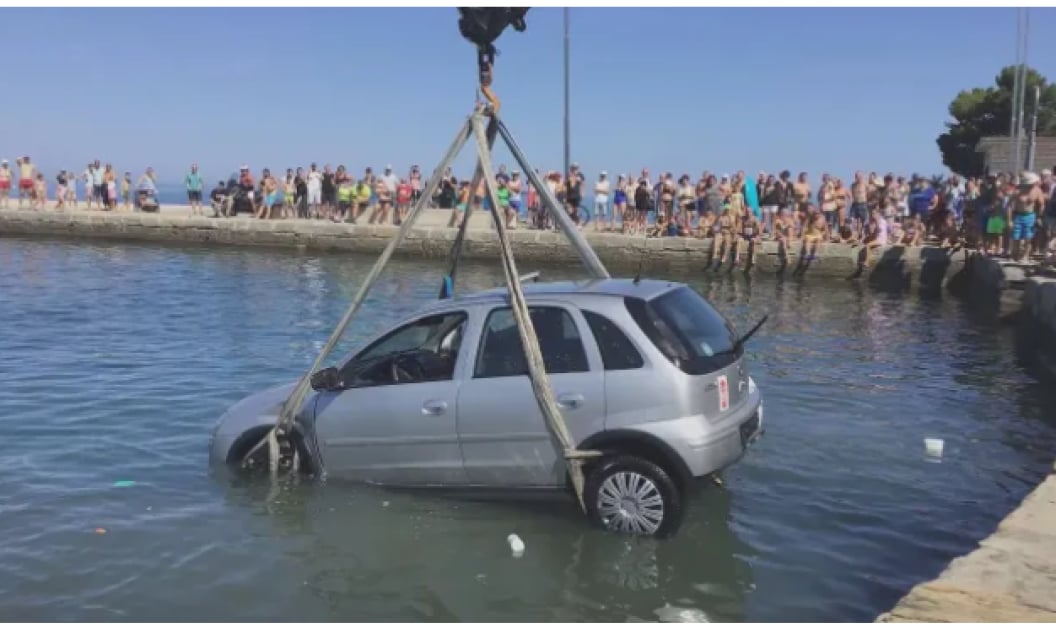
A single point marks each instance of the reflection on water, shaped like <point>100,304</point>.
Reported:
<point>120,358</point>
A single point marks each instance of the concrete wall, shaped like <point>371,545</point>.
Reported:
<point>622,254</point>
<point>1011,577</point>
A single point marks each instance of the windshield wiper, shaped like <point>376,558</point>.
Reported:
<point>751,332</point>
<point>739,343</point>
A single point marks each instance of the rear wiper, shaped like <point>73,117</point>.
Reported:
<point>751,332</point>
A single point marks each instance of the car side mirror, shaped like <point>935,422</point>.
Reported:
<point>326,379</point>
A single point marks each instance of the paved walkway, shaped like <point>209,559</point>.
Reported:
<point>1011,577</point>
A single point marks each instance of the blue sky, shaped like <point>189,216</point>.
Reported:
<point>673,89</point>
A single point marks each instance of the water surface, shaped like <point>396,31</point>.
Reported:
<point>119,358</point>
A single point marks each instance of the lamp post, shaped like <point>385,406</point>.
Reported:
<point>568,161</point>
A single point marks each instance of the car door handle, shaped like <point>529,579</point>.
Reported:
<point>570,402</point>
<point>434,408</point>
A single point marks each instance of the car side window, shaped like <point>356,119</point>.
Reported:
<point>618,353</point>
<point>424,350</point>
<point>502,355</point>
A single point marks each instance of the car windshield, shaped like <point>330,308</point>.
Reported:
<point>687,330</point>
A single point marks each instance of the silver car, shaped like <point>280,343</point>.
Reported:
<point>645,371</point>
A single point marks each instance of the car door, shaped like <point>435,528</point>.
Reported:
<point>398,433</point>
<point>504,437</point>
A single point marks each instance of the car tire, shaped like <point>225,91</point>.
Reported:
<point>632,495</point>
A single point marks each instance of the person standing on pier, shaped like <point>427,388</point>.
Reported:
<point>416,183</point>
<point>601,202</point>
<point>194,190</point>
<point>98,185</point>
<point>26,180</point>
<point>1027,204</point>
<point>126,190</point>
<point>300,200</point>
<point>5,183</point>
<point>315,191</point>
<point>88,176</point>
<point>329,188</point>
<point>61,181</point>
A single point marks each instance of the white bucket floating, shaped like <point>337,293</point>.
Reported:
<point>934,447</point>
<point>516,545</point>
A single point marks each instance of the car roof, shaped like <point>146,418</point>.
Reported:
<point>644,289</point>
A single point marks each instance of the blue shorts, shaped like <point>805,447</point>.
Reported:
<point>1023,226</point>
<point>859,211</point>
<point>515,204</point>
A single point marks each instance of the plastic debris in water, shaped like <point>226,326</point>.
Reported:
<point>668,613</point>
<point>124,483</point>
<point>933,447</point>
<point>516,545</point>
<point>384,504</point>
<point>100,530</point>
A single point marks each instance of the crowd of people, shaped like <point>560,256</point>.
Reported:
<point>1000,214</point>
<point>103,186</point>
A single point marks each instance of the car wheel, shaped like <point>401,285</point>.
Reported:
<point>634,496</point>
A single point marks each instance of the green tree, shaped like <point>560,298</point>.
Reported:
<point>981,112</point>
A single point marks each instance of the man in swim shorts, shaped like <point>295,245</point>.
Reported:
<point>194,190</point>
<point>26,179</point>
<point>1028,203</point>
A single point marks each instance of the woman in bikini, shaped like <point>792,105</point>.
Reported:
<point>841,193</point>
<point>726,236</point>
<point>813,233</point>
<point>736,199</point>
<point>619,203</point>
<point>705,224</point>
<point>876,236</point>
<point>40,193</point>
<point>783,230</point>
<point>110,185</point>
<point>687,202</point>
<point>801,196</point>
<point>750,234</point>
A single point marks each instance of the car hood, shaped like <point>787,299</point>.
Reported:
<point>265,404</point>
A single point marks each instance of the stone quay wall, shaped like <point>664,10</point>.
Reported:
<point>928,266</point>
<point>1011,576</point>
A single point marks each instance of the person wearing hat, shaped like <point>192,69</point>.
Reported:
<point>1027,204</point>
<point>5,183</point>
<point>600,216</point>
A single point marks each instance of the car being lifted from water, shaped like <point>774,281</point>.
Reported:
<point>644,371</point>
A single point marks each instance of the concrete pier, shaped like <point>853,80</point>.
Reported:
<point>431,238</point>
<point>1011,577</point>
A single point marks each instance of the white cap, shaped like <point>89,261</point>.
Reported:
<point>244,167</point>
<point>388,167</point>
<point>1045,173</point>
<point>1029,178</point>
<point>604,174</point>
<point>3,161</point>
<point>725,176</point>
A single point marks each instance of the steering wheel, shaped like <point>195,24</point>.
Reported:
<point>406,369</point>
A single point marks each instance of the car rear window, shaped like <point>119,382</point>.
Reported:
<point>687,330</point>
